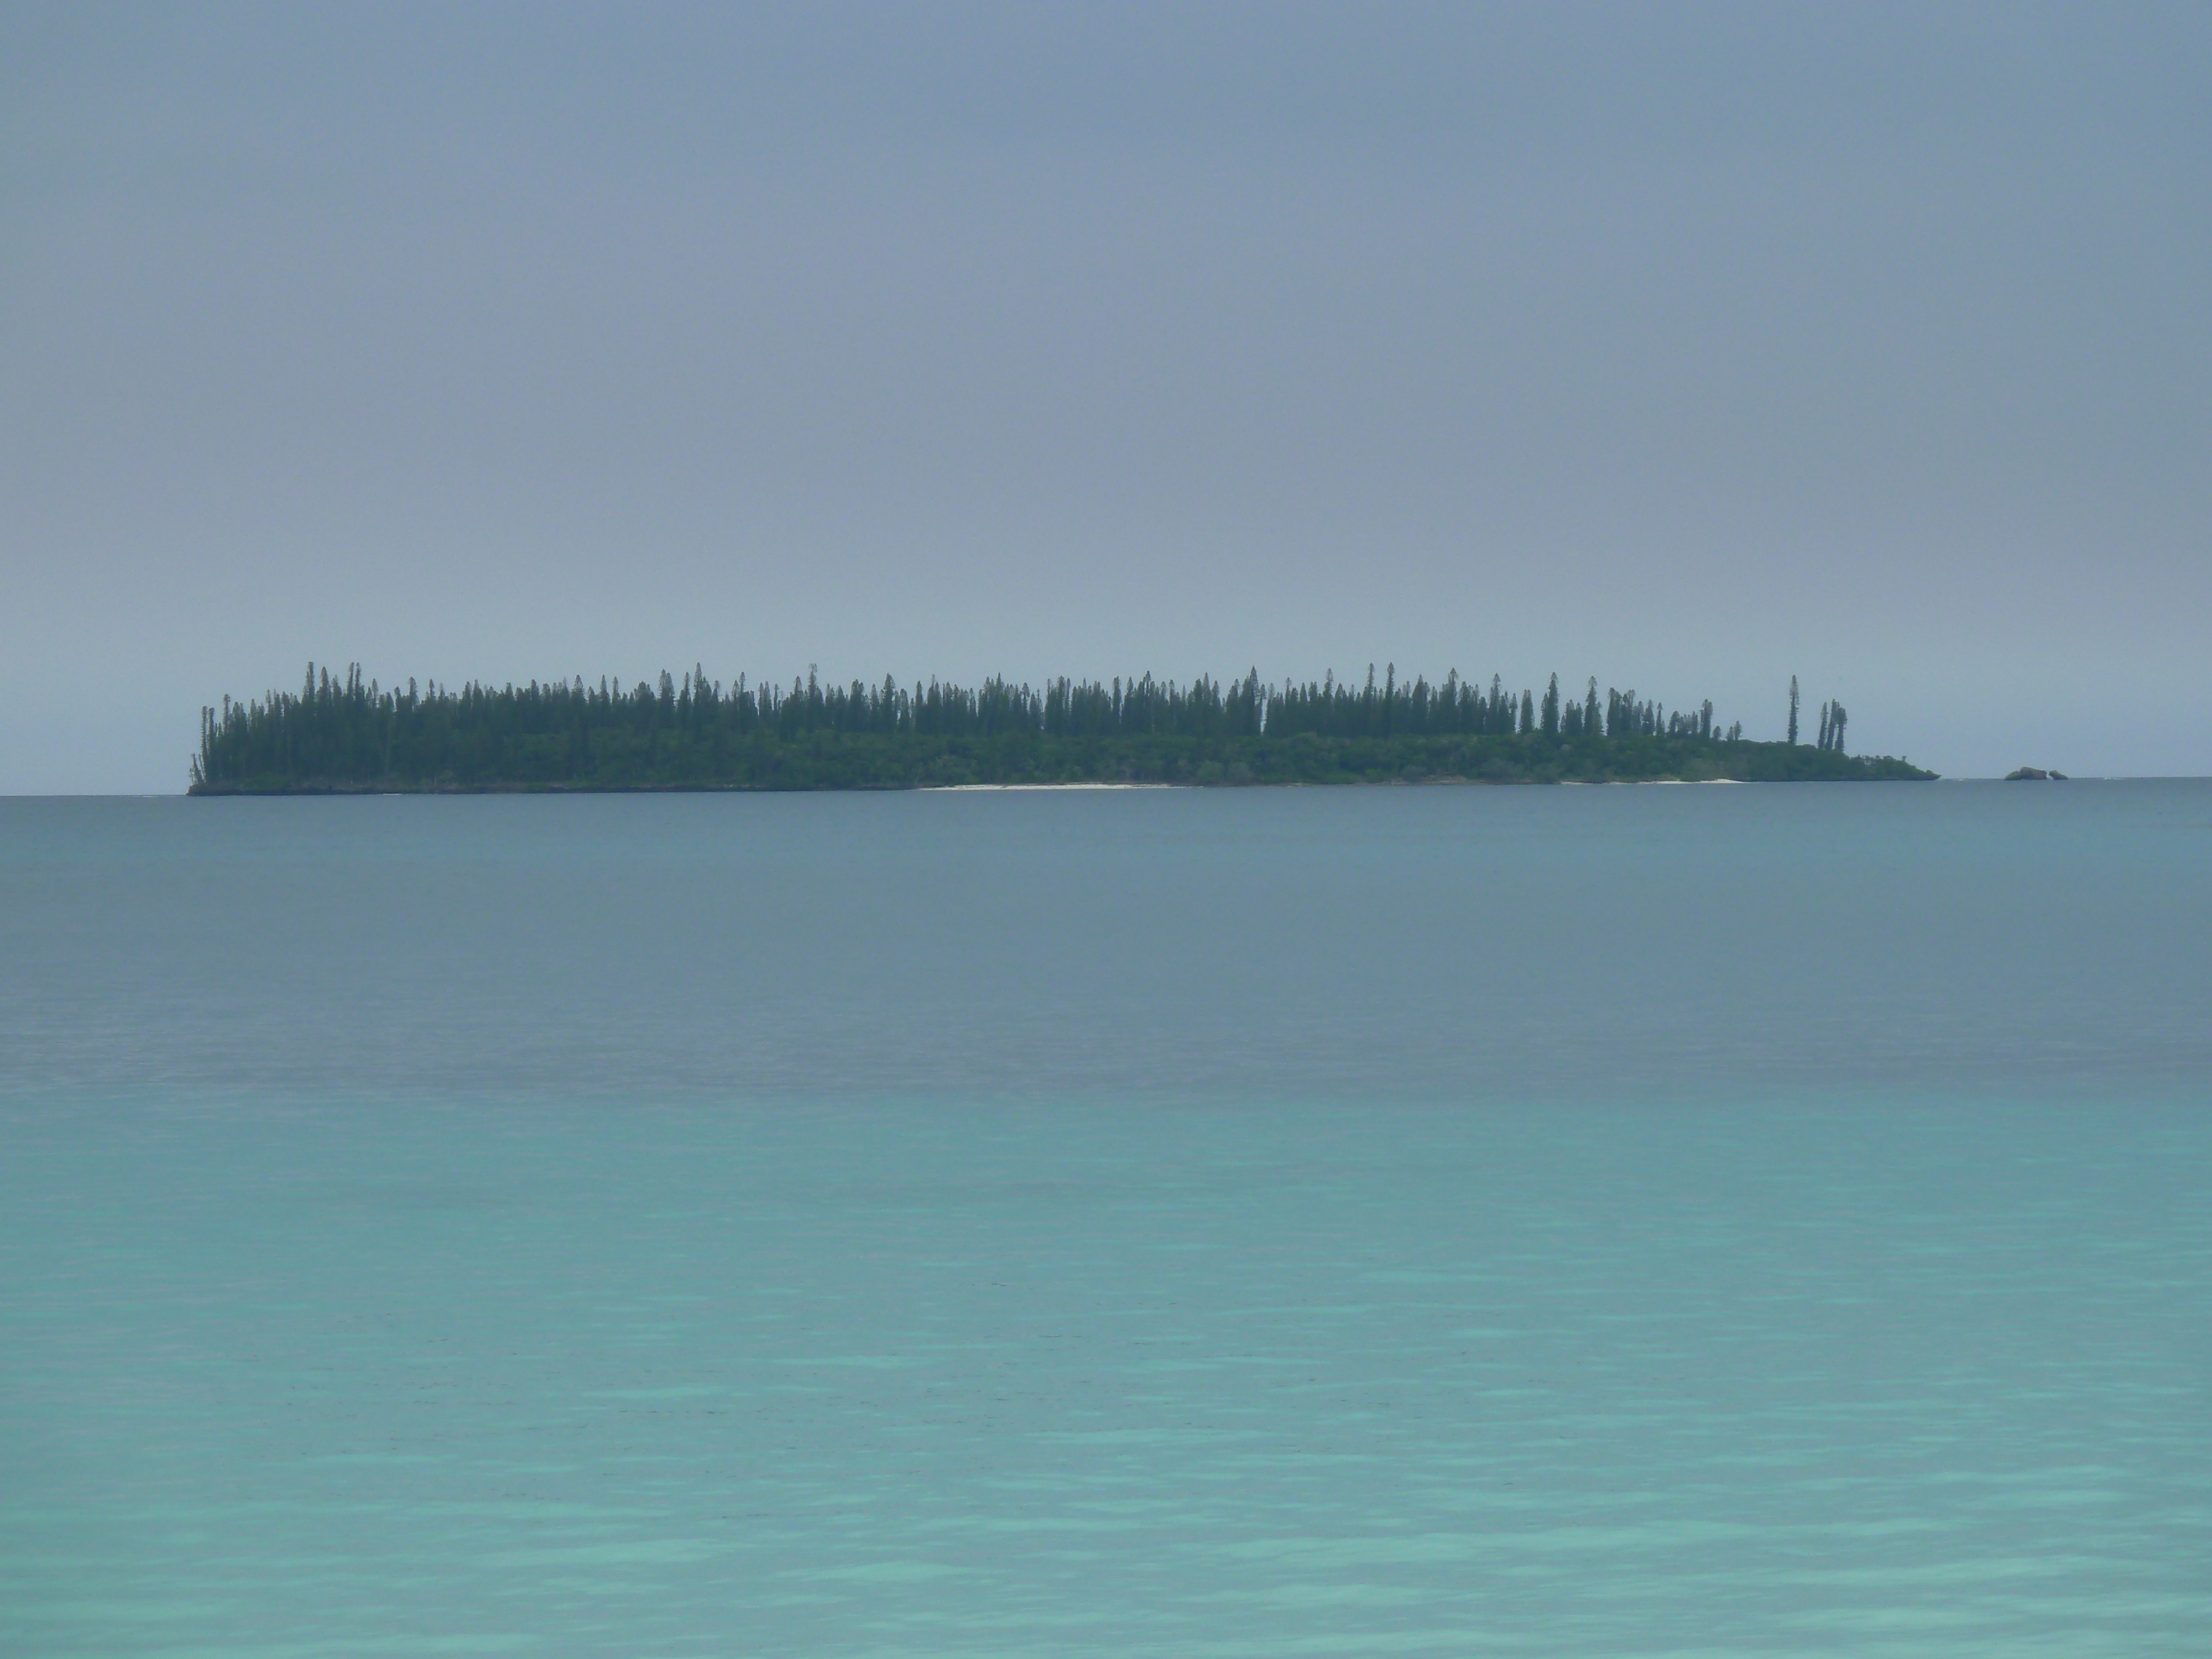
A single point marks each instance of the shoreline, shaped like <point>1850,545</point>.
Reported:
<point>203,792</point>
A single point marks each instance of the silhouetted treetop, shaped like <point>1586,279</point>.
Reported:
<point>350,733</point>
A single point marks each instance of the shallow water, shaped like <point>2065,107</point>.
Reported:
<point>1762,1220</point>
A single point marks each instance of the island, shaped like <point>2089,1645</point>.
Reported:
<point>346,734</point>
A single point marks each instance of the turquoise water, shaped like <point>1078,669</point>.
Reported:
<point>1571,1221</point>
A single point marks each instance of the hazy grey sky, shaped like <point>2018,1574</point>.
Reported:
<point>1688,346</point>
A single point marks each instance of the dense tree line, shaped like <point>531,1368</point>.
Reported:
<point>349,732</point>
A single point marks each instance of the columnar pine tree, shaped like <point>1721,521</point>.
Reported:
<point>347,732</point>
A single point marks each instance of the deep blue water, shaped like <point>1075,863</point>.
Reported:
<point>1556,1221</point>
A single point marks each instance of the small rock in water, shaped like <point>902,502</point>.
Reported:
<point>2034,775</point>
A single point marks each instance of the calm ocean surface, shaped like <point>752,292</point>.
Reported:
<point>1571,1221</point>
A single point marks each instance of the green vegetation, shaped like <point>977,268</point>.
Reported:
<point>349,735</point>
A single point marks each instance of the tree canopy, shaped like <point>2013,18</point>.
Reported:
<point>348,734</point>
